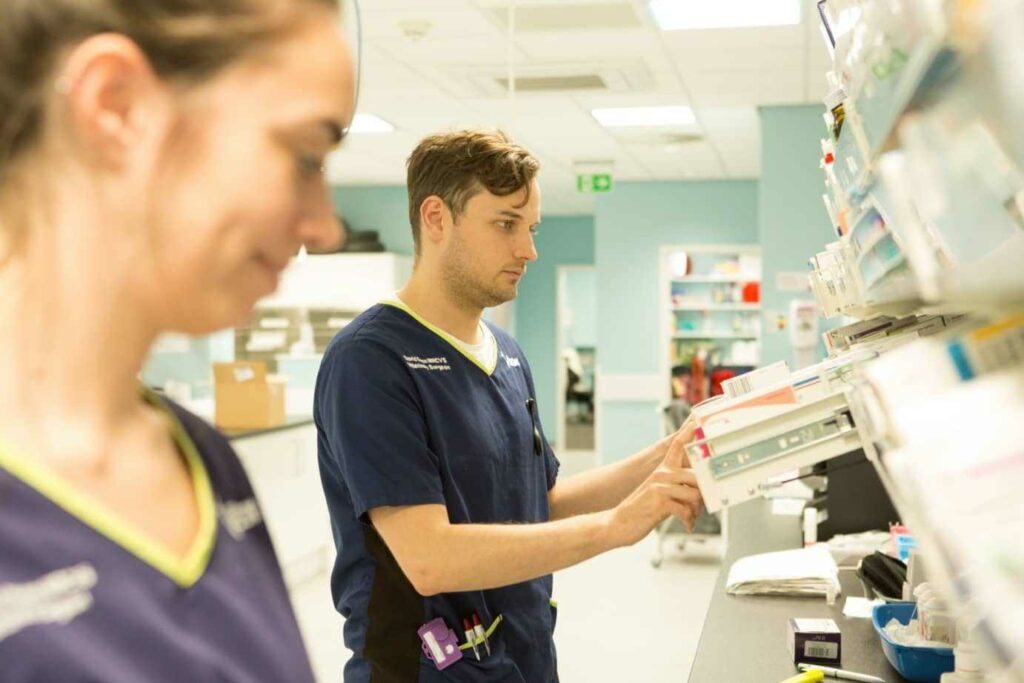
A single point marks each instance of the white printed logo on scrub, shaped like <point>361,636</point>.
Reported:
<point>437,364</point>
<point>510,361</point>
<point>55,598</point>
<point>240,516</point>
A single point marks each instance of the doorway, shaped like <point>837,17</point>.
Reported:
<point>575,366</point>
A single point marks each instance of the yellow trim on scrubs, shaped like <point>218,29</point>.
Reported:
<point>400,305</point>
<point>183,571</point>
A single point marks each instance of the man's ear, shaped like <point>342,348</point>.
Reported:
<point>434,215</point>
<point>110,91</point>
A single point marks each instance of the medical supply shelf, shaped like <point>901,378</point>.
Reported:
<point>711,335</point>
<point>744,637</point>
<point>924,184</point>
<point>719,307</point>
<point>745,440</point>
<point>711,308</point>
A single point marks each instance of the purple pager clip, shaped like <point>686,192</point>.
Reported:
<point>440,643</point>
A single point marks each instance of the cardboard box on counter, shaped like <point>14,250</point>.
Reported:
<point>246,397</point>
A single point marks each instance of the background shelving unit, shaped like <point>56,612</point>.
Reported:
<point>711,307</point>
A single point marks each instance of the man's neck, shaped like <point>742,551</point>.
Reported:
<point>430,299</point>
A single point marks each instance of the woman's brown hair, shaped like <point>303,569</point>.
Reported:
<point>186,40</point>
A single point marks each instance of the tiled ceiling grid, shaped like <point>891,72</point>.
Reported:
<point>431,65</point>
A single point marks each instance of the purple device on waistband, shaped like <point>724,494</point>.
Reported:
<point>440,643</point>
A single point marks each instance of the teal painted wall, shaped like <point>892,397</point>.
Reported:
<point>581,301</point>
<point>793,222</point>
<point>384,208</point>
<point>560,241</point>
<point>631,225</point>
<point>193,366</point>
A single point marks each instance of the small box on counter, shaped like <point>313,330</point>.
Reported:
<point>246,397</point>
<point>815,641</point>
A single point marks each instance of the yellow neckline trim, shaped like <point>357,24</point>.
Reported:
<point>400,305</point>
<point>183,571</point>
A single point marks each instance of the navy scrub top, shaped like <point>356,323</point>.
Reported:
<point>85,597</point>
<point>405,417</point>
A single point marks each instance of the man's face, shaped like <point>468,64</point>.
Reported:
<point>490,244</point>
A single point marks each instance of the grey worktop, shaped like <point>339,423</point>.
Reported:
<point>290,422</point>
<point>744,637</point>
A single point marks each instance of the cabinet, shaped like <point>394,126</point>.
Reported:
<point>349,282</point>
<point>282,466</point>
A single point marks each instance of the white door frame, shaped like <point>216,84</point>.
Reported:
<point>561,273</point>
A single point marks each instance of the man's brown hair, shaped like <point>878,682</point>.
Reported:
<point>457,166</point>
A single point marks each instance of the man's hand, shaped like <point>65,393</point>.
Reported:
<point>670,490</point>
<point>685,436</point>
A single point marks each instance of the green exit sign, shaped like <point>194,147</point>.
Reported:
<point>594,182</point>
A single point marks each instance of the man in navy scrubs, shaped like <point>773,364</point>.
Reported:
<point>442,488</point>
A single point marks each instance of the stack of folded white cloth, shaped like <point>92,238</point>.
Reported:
<point>807,571</point>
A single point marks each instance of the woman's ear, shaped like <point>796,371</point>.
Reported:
<point>111,97</point>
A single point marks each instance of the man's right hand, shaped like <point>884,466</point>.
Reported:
<point>670,490</point>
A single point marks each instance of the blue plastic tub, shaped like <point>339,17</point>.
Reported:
<point>917,664</point>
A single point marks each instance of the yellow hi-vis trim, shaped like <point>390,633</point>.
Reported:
<point>488,633</point>
<point>184,571</point>
<point>400,305</point>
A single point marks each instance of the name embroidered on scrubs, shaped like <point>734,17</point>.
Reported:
<point>55,598</point>
<point>436,364</point>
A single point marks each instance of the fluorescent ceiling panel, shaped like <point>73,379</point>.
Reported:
<point>621,117</point>
<point>370,123</point>
<point>674,15</point>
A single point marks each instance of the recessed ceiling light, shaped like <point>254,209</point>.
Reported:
<point>673,15</point>
<point>644,116</point>
<point>370,123</point>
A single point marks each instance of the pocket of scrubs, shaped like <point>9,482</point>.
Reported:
<point>497,668</point>
<point>518,438</point>
<point>489,631</point>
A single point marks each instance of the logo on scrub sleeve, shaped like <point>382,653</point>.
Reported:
<point>510,361</point>
<point>239,517</point>
<point>54,598</point>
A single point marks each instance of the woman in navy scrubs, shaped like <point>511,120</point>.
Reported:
<point>160,162</point>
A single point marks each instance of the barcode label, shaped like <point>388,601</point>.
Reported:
<point>821,650</point>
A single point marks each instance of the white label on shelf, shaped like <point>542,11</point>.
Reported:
<point>244,374</point>
<point>792,281</point>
